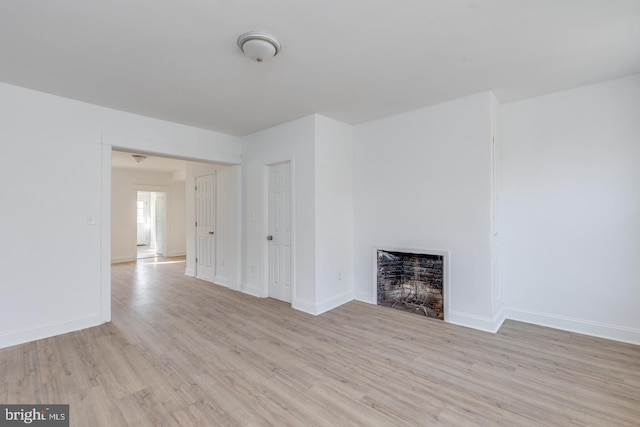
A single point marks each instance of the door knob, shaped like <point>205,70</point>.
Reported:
<point>269,237</point>
<point>211,232</point>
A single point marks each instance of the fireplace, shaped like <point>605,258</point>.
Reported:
<point>412,281</point>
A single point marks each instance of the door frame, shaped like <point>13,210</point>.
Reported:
<point>105,233</point>
<point>106,144</point>
<point>265,226</point>
<point>166,222</point>
<point>146,215</point>
<point>155,189</point>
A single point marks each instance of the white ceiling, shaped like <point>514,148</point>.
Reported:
<point>351,60</point>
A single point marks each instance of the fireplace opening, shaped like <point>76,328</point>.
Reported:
<point>411,282</point>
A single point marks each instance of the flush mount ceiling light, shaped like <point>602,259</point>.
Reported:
<point>138,157</point>
<point>259,46</point>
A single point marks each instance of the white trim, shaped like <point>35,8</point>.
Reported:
<point>150,188</point>
<point>108,142</point>
<point>175,254</point>
<point>105,233</point>
<point>189,272</point>
<point>239,233</point>
<point>457,318</point>
<point>446,262</point>
<point>473,321</point>
<point>304,307</point>
<point>48,330</point>
<point>250,290</point>
<point>165,189</point>
<point>265,232</point>
<point>580,326</point>
<point>498,320</point>
<point>364,297</point>
<point>118,259</point>
<point>336,301</point>
<point>140,145</point>
<point>294,263</point>
<point>222,281</point>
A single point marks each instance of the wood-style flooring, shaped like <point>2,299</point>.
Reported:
<point>145,251</point>
<point>183,352</point>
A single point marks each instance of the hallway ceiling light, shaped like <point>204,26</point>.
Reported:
<point>138,157</point>
<point>259,46</point>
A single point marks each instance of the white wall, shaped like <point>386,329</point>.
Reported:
<point>124,188</point>
<point>321,152</point>
<point>292,141</point>
<point>55,192</point>
<point>176,220</point>
<point>334,213</point>
<point>497,271</point>
<point>571,209</point>
<point>423,180</point>
<point>227,231</point>
<point>569,204</point>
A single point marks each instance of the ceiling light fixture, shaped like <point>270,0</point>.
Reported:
<point>138,157</point>
<point>259,46</point>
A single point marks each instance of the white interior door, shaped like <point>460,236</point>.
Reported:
<point>205,223</point>
<point>143,218</point>
<point>280,264</point>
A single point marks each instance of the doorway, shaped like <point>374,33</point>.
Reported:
<point>151,223</point>
<point>122,177</point>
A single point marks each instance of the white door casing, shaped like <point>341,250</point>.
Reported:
<point>143,219</point>
<point>161,222</point>
<point>280,255</point>
<point>205,227</point>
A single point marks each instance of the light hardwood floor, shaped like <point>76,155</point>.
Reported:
<point>184,352</point>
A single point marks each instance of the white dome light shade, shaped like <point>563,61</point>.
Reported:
<point>259,46</point>
<point>258,50</point>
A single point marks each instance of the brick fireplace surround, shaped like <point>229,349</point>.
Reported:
<point>412,282</point>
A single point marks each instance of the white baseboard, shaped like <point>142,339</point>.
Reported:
<point>233,285</point>
<point>364,297</point>
<point>179,253</point>
<point>304,306</point>
<point>498,320</point>
<point>222,281</point>
<point>189,272</point>
<point>586,327</point>
<point>334,302</point>
<point>117,259</point>
<point>256,292</point>
<point>481,323</point>
<point>47,330</point>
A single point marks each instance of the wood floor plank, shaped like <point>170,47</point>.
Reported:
<point>184,352</point>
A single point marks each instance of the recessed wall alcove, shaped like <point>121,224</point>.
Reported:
<point>412,280</point>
